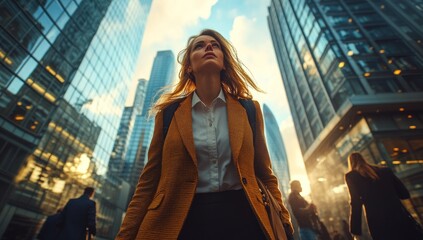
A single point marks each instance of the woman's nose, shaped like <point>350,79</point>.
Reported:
<point>209,46</point>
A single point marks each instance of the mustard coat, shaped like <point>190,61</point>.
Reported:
<point>168,182</point>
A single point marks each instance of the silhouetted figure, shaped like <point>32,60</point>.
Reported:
<point>380,191</point>
<point>50,229</point>
<point>78,217</point>
<point>303,212</point>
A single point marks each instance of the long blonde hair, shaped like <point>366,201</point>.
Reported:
<point>356,162</point>
<point>234,79</point>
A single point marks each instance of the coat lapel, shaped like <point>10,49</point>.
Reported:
<point>183,119</point>
<point>236,121</point>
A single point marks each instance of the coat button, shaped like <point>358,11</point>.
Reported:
<point>244,180</point>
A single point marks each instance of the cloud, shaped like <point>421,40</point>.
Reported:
<point>167,24</point>
<point>168,18</point>
<point>166,30</point>
<point>254,46</point>
<point>252,40</point>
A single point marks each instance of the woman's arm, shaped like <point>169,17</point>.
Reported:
<point>356,205</point>
<point>401,190</point>
<point>263,166</point>
<point>147,185</point>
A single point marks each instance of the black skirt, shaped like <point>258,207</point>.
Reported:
<point>221,216</point>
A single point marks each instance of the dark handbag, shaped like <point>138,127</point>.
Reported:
<point>319,228</point>
<point>417,227</point>
<point>282,231</point>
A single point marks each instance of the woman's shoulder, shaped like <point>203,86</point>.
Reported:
<point>383,170</point>
<point>351,173</point>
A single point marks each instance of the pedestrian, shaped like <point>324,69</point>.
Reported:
<point>380,191</point>
<point>200,178</point>
<point>78,217</point>
<point>50,228</point>
<point>304,212</point>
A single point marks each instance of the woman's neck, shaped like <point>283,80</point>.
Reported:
<point>207,87</point>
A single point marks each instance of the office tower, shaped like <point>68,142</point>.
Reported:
<point>353,74</point>
<point>162,74</point>
<point>117,158</point>
<point>65,70</point>
<point>277,151</point>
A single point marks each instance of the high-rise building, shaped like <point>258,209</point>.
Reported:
<point>65,70</point>
<point>117,158</point>
<point>162,74</point>
<point>277,151</point>
<point>353,74</point>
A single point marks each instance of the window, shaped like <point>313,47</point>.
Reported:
<point>346,34</point>
<point>384,85</point>
<point>360,47</point>
<point>357,6</point>
<point>394,47</point>
<point>407,63</point>
<point>327,62</point>
<point>332,7</point>
<point>415,81</point>
<point>381,32</point>
<point>334,79</point>
<point>372,65</point>
<point>320,47</point>
<point>369,18</point>
<point>338,20</point>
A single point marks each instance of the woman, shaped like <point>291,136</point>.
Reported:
<point>381,192</point>
<point>200,181</point>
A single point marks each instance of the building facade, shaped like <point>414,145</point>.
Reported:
<point>277,151</point>
<point>162,74</point>
<point>117,158</point>
<point>353,74</point>
<point>65,69</point>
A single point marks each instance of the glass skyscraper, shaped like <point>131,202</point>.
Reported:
<point>353,75</point>
<point>65,70</point>
<point>277,151</point>
<point>162,74</point>
<point>117,159</point>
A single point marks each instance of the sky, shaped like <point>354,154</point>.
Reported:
<point>244,24</point>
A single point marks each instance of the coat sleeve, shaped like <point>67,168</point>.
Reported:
<point>401,190</point>
<point>356,205</point>
<point>91,218</point>
<point>147,185</point>
<point>263,166</point>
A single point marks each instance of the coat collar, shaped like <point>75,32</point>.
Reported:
<point>236,121</point>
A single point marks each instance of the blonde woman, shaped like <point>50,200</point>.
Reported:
<point>200,180</point>
<point>380,191</point>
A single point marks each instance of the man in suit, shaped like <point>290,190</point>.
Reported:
<point>50,228</point>
<point>303,212</point>
<point>78,217</point>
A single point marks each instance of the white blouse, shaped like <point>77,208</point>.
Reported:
<point>216,170</point>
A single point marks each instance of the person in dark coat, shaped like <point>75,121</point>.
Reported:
<point>303,211</point>
<point>381,192</point>
<point>50,228</point>
<point>78,217</point>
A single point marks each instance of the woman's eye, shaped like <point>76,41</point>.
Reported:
<point>216,45</point>
<point>198,46</point>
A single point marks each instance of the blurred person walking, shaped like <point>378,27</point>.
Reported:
<point>50,229</point>
<point>304,213</point>
<point>381,192</point>
<point>200,181</point>
<point>78,218</point>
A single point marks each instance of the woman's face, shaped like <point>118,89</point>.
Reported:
<point>206,56</point>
